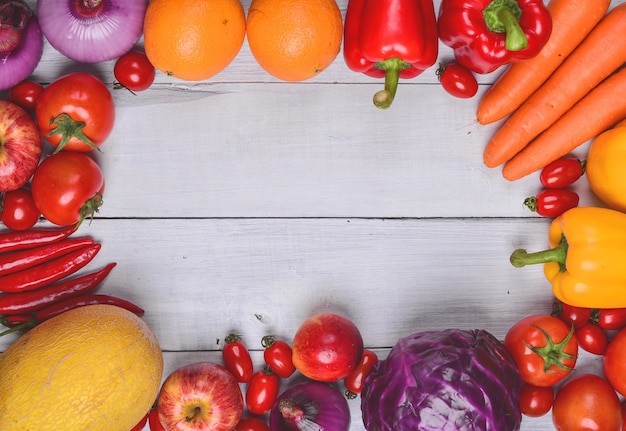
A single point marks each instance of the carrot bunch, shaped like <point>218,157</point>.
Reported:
<point>569,93</point>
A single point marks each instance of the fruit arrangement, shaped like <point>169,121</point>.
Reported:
<point>63,125</point>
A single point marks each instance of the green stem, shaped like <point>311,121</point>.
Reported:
<point>392,67</point>
<point>520,257</point>
<point>22,326</point>
<point>68,128</point>
<point>502,16</point>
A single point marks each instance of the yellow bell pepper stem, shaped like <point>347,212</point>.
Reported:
<point>520,257</point>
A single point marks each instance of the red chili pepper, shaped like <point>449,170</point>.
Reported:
<point>33,300</point>
<point>22,259</point>
<point>15,320</point>
<point>392,39</point>
<point>354,381</point>
<point>20,240</point>
<point>48,272</point>
<point>486,34</point>
<point>58,308</point>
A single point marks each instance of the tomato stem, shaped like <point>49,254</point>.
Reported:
<point>90,208</point>
<point>551,353</point>
<point>68,128</point>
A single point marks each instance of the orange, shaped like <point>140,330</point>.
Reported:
<point>193,39</point>
<point>294,40</point>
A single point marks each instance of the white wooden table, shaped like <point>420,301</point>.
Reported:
<point>245,204</point>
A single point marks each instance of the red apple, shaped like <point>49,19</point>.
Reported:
<point>20,146</point>
<point>327,347</point>
<point>200,397</point>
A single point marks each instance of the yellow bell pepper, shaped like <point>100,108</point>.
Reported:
<point>605,167</point>
<point>586,263</point>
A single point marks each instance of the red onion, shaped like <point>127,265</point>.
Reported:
<point>21,43</point>
<point>90,31</point>
<point>310,406</point>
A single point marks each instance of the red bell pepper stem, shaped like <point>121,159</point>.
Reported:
<point>392,67</point>
<point>33,300</point>
<point>503,16</point>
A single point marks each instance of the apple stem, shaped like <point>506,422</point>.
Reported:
<point>196,412</point>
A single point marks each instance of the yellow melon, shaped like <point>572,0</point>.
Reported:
<point>94,368</point>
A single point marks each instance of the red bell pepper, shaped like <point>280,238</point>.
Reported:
<point>392,39</point>
<point>486,34</point>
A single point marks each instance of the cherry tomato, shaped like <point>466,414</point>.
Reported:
<point>592,338</point>
<point>19,211</point>
<point>141,424</point>
<point>457,80</point>
<point>611,319</point>
<point>586,402</point>
<point>237,358</point>
<point>614,362</point>
<point>262,391</point>
<point>76,112</point>
<point>134,71</point>
<point>354,381</point>
<point>552,202</point>
<point>154,422</point>
<point>562,172</point>
<point>67,188</point>
<point>544,348</point>
<point>277,355</point>
<point>26,94</point>
<point>252,423</point>
<point>535,401</point>
<point>572,315</point>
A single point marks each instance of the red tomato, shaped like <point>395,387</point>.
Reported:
<point>134,71</point>
<point>76,112</point>
<point>237,358</point>
<point>572,315</point>
<point>457,80</point>
<point>544,348</point>
<point>277,355</point>
<point>586,402</point>
<point>262,391</point>
<point>19,211</point>
<point>252,423</point>
<point>614,363</point>
<point>327,347</point>
<point>611,319</point>
<point>154,422</point>
<point>552,202</point>
<point>141,424</point>
<point>26,94</point>
<point>67,188</point>
<point>592,338</point>
<point>535,401</point>
<point>562,173</point>
<point>354,381</point>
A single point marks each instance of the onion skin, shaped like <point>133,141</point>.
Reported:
<point>311,405</point>
<point>19,64</point>
<point>104,32</point>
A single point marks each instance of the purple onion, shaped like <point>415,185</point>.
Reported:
<point>90,31</point>
<point>22,43</point>
<point>310,406</point>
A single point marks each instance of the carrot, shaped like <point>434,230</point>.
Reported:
<point>599,110</point>
<point>601,53</point>
<point>571,22</point>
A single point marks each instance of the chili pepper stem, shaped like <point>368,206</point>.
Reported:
<point>502,16</point>
<point>520,257</point>
<point>22,326</point>
<point>392,67</point>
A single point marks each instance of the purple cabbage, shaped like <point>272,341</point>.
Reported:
<point>450,380</point>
